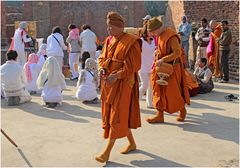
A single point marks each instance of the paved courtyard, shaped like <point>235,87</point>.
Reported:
<point>71,135</point>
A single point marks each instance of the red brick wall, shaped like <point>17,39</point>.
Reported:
<point>3,20</point>
<point>13,13</point>
<point>52,13</point>
<point>80,12</point>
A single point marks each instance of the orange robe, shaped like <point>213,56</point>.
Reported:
<point>214,59</point>
<point>120,101</point>
<point>172,97</point>
<point>192,83</point>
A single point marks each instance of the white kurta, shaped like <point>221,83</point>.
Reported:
<point>145,71</point>
<point>87,90</point>
<point>147,56</point>
<point>13,80</point>
<point>19,45</point>
<point>32,85</point>
<point>88,40</point>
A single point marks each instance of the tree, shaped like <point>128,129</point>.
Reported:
<point>156,8</point>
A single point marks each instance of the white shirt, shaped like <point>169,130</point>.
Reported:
<point>88,40</point>
<point>53,47</point>
<point>198,35</point>
<point>147,56</point>
<point>207,73</point>
<point>13,76</point>
<point>87,89</point>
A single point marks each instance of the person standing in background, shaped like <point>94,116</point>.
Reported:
<point>148,48</point>
<point>74,43</point>
<point>55,45</point>
<point>203,37</point>
<point>225,41</point>
<point>88,41</point>
<point>184,30</point>
<point>21,37</point>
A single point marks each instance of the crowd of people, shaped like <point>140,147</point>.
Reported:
<point>159,58</point>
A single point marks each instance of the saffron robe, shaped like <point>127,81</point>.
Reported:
<point>172,97</point>
<point>213,61</point>
<point>120,100</point>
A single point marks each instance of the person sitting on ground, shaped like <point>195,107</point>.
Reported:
<point>32,70</point>
<point>204,76</point>
<point>88,83</point>
<point>51,80</point>
<point>42,56</point>
<point>192,83</point>
<point>14,80</point>
<point>98,52</point>
<point>82,61</point>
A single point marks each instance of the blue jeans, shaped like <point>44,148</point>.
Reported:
<point>185,45</point>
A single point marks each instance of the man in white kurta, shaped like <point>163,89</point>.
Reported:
<point>88,41</point>
<point>14,79</point>
<point>21,37</point>
<point>56,45</point>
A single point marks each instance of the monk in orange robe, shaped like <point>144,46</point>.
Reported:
<point>118,67</point>
<point>170,98</point>
<point>213,61</point>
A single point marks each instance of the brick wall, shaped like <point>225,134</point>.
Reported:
<point>217,10</point>
<point>80,12</point>
<point>3,20</point>
<point>52,13</point>
<point>13,13</point>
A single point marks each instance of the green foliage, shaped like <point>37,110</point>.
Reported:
<point>155,8</point>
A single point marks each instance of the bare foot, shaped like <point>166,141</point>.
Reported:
<point>102,158</point>
<point>128,149</point>
<point>156,119</point>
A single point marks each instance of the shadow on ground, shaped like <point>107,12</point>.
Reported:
<point>215,125</point>
<point>64,112</point>
<point>156,161</point>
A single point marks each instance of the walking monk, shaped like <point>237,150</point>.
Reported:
<point>118,67</point>
<point>214,59</point>
<point>170,98</point>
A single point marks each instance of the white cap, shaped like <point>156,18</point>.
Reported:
<point>147,17</point>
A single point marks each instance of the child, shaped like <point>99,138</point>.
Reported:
<point>52,81</point>
<point>74,43</point>
<point>88,82</point>
<point>32,70</point>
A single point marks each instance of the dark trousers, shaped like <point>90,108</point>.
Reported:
<point>224,54</point>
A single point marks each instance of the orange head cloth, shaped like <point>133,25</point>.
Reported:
<point>115,19</point>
